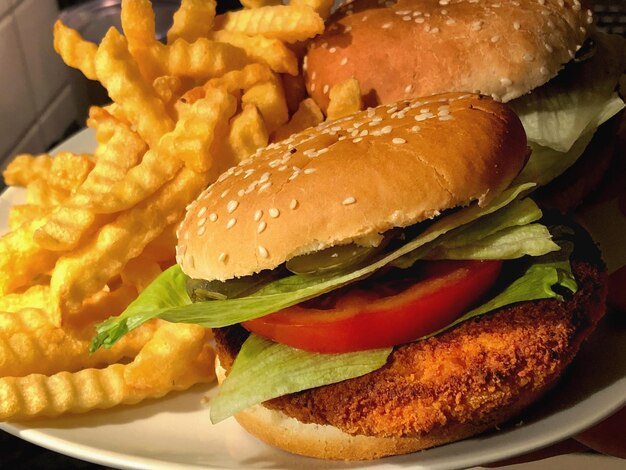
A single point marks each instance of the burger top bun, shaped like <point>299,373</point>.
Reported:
<point>407,48</point>
<point>349,179</point>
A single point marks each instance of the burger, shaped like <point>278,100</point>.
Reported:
<point>542,57</point>
<point>379,284</point>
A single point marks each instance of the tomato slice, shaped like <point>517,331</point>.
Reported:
<point>380,314</point>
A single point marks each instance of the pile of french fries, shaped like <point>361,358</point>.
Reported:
<point>98,228</point>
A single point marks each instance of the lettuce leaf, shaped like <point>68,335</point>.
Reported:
<point>578,100</point>
<point>156,301</point>
<point>264,370</point>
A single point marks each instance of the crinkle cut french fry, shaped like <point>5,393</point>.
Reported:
<point>138,24</point>
<point>69,170</point>
<point>259,3</point>
<point>21,258</point>
<point>26,168</point>
<point>269,98</point>
<point>140,272</point>
<point>200,60</point>
<point>21,214</point>
<point>288,23</point>
<point>37,395</point>
<point>308,114</point>
<point>75,276</point>
<point>162,248</point>
<point>190,142</point>
<point>31,344</point>
<point>40,193</point>
<point>74,50</point>
<point>36,296</point>
<point>247,133</point>
<point>69,223</point>
<point>271,52</point>
<point>118,72</point>
<point>321,7</point>
<point>193,20</point>
<point>345,99</point>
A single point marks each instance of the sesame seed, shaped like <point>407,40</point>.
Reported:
<point>265,186</point>
<point>363,133</point>
<point>477,25</point>
<point>434,30</point>
<point>231,206</point>
<point>423,117</point>
<point>516,25</point>
<point>349,200</point>
<point>308,171</point>
<point>325,89</point>
<point>447,117</point>
<point>398,140</point>
<point>528,57</point>
<point>506,81</point>
<point>263,251</point>
<point>293,204</point>
<point>312,86</point>
<point>386,130</point>
<point>450,21</point>
<point>415,128</point>
<point>444,12</point>
<point>261,227</point>
<point>231,223</point>
<point>583,30</point>
<point>222,257</point>
<point>201,211</point>
<point>273,212</point>
<point>443,3</point>
<point>419,20</point>
<point>201,230</point>
<point>543,71</point>
<point>201,222</point>
<point>443,112</point>
<point>406,18</point>
<point>343,61</point>
<point>386,25</point>
<point>225,193</point>
<point>356,140</point>
<point>426,27</point>
<point>408,88</point>
<point>495,38</point>
<point>213,217</point>
<point>257,215</point>
<point>548,47</point>
<point>332,50</point>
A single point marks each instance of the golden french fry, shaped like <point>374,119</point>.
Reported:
<point>69,170</point>
<point>36,296</point>
<point>259,3</point>
<point>140,272</point>
<point>26,168</point>
<point>309,114</point>
<point>71,221</point>
<point>21,259</point>
<point>30,343</point>
<point>102,305</point>
<point>119,74</point>
<point>168,87</point>
<point>269,98</point>
<point>247,133</point>
<point>74,50</point>
<point>138,23</point>
<point>86,270</point>
<point>166,356</point>
<point>321,7</point>
<point>200,60</point>
<point>271,52</point>
<point>192,21</point>
<point>295,91</point>
<point>21,214</point>
<point>345,99</point>
<point>40,193</point>
<point>288,23</point>
<point>163,247</point>
<point>190,142</point>
<point>37,395</point>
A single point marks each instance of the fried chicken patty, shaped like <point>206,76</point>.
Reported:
<point>464,381</point>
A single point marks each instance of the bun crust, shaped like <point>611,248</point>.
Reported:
<point>422,47</point>
<point>382,168</point>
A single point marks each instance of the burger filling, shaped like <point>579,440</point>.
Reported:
<point>336,314</point>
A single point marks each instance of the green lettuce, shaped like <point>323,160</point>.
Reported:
<point>156,301</point>
<point>264,370</point>
<point>275,369</point>
<point>574,103</point>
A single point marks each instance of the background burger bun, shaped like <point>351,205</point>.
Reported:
<point>388,167</point>
<point>422,47</point>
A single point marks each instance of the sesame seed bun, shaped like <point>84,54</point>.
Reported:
<point>388,167</point>
<point>421,47</point>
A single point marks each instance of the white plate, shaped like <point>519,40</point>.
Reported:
<point>175,433</point>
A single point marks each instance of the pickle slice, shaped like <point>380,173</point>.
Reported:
<point>337,258</point>
<point>200,290</point>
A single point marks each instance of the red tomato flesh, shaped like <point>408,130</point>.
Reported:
<point>373,315</point>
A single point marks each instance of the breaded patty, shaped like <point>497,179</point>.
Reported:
<point>466,380</point>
